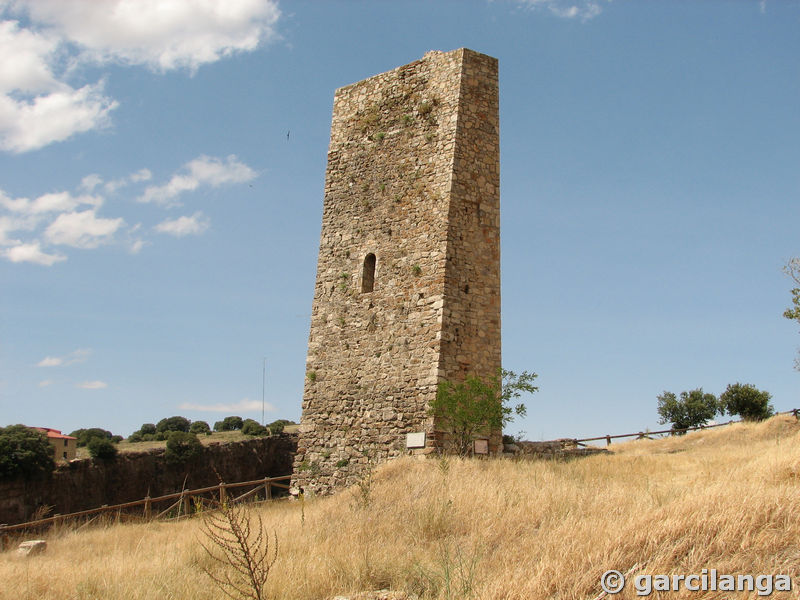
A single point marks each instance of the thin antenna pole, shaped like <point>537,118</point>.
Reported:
<point>263,385</point>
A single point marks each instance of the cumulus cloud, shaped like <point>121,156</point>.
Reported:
<point>567,9</point>
<point>162,35</point>
<point>92,385</point>
<point>82,229</point>
<point>32,253</point>
<point>205,170</point>
<point>77,356</point>
<point>38,104</point>
<point>194,225</point>
<point>244,405</point>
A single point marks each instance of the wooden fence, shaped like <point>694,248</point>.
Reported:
<point>178,505</point>
<point>640,435</point>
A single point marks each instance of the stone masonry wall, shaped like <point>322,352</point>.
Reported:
<point>413,179</point>
<point>85,484</point>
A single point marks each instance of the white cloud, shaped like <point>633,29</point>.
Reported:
<point>137,177</point>
<point>77,356</point>
<point>92,385</point>
<point>32,253</point>
<point>46,383</point>
<point>194,225</point>
<point>244,405</point>
<point>567,9</point>
<point>90,182</point>
<point>163,35</point>
<point>204,170</point>
<point>38,106</point>
<point>48,203</point>
<point>82,229</point>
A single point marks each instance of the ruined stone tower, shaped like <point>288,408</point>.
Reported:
<point>408,276</point>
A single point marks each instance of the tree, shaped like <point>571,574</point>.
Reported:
<point>173,424</point>
<point>252,427</point>
<point>229,424</point>
<point>198,427</point>
<point>24,452</point>
<point>182,447</point>
<point>148,428</point>
<point>279,425</point>
<point>792,269</point>
<point>102,448</point>
<point>84,436</point>
<point>478,406</point>
<point>692,409</point>
<point>747,401</point>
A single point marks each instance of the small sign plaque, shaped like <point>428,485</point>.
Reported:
<point>481,446</point>
<point>415,440</point>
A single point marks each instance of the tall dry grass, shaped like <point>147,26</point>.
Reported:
<point>727,498</point>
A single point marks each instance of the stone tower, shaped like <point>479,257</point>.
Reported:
<point>408,277</point>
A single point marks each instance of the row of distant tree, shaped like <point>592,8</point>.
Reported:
<point>160,431</point>
<point>696,407</point>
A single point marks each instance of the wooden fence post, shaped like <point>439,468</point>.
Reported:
<point>187,505</point>
<point>608,440</point>
<point>268,488</point>
<point>222,495</point>
<point>147,508</point>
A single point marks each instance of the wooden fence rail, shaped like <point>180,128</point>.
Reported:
<point>644,434</point>
<point>180,507</point>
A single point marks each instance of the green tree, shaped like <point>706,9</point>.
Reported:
<point>182,447</point>
<point>252,427</point>
<point>747,401</point>
<point>692,409</point>
<point>173,424</point>
<point>148,428</point>
<point>792,269</point>
<point>478,406</point>
<point>198,427</point>
<point>102,448</point>
<point>84,436</point>
<point>231,423</point>
<point>24,452</point>
<point>279,425</point>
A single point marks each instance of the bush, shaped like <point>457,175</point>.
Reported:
<point>173,424</point>
<point>229,424</point>
<point>693,409</point>
<point>24,452</point>
<point>102,448</point>
<point>182,447</point>
<point>251,427</point>
<point>747,401</point>
<point>198,427</point>
<point>278,426</point>
<point>135,438</point>
<point>147,428</point>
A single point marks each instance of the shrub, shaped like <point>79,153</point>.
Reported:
<point>24,452</point>
<point>102,448</point>
<point>198,427</point>
<point>147,428</point>
<point>182,447</point>
<point>692,409</point>
<point>135,438</point>
<point>252,427</point>
<point>747,401</point>
<point>173,424</point>
<point>278,426</point>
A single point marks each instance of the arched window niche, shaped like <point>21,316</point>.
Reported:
<point>368,274</point>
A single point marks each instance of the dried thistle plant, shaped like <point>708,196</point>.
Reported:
<point>243,548</point>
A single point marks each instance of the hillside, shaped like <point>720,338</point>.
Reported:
<point>726,499</point>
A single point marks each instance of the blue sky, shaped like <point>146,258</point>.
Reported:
<point>159,232</point>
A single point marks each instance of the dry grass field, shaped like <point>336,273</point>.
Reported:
<point>727,499</point>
